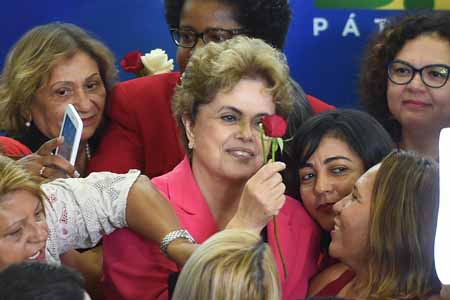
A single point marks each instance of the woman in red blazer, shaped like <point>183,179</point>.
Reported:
<point>142,133</point>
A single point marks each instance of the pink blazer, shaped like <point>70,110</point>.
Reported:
<point>136,269</point>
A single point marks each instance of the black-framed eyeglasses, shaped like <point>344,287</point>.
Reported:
<point>435,76</point>
<point>187,38</point>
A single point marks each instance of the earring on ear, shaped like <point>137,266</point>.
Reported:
<point>28,123</point>
<point>191,145</point>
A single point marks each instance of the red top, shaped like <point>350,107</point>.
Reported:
<point>334,287</point>
<point>143,133</point>
<point>12,148</point>
<point>136,269</point>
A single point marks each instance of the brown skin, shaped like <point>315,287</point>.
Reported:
<point>421,110</point>
<point>55,165</point>
<point>199,15</point>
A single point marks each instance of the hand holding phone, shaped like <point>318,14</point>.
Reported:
<point>71,130</point>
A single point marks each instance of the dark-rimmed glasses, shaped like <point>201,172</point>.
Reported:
<point>187,38</point>
<point>434,76</point>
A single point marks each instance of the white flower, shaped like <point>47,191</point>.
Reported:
<point>157,62</point>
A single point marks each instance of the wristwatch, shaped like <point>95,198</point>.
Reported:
<point>173,235</point>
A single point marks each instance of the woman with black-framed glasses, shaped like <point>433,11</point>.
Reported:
<point>404,81</point>
<point>140,110</point>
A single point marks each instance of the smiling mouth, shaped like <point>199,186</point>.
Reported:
<point>416,103</point>
<point>241,153</point>
<point>88,121</point>
<point>38,255</point>
<point>326,208</point>
<point>34,256</point>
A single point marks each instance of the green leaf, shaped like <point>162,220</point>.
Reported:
<point>280,143</point>
<point>274,146</point>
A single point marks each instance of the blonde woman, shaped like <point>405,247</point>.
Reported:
<point>44,222</point>
<point>230,265</point>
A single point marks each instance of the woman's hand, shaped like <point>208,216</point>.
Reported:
<point>262,198</point>
<point>45,164</point>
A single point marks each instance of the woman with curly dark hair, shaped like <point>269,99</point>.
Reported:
<point>265,19</point>
<point>404,80</point>
<point>141,108</point>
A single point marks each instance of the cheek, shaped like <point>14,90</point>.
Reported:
<point>99,99</point>
<point>345,186</point>
<point>308,199</point>
<point>183,56</point>
<point>393,93</point>
<point>44,227</point>
<point>11,252</point>
<point>441,96</point>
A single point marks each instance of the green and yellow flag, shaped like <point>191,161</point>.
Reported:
<point>384,4</point>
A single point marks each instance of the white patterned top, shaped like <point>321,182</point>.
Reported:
<point>79,211</point>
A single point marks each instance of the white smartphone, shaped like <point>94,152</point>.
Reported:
<point>71,130</point>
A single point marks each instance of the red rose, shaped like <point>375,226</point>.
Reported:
<point>274,126</point>
<point>131,62</point>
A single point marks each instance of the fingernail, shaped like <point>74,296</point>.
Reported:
<point>76,174</point>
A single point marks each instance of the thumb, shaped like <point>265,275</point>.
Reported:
<point>48,147</point>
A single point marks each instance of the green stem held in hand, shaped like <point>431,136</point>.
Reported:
<point>274,148</point>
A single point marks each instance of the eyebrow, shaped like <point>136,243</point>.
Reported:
<point>230,108</point>
<point>39,206</point>
<point>327,160</point>
<point>234,109</point>
<point>190,28</point>
<point>70,82</point>
<point>12,225</point>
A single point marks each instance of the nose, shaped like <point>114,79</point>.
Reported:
<point>38,232</point>
<point>416,82</point>
<point>200,44</point>
<point>245,131</point>
<point>337,207</point>
<point>82,101</point>
<point>322,184</point>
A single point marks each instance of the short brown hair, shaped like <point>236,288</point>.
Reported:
<point>30,61</point>
<point>220,66</point>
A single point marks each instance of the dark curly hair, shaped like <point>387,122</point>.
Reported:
<point>382,49</point>
<point>265,19</point>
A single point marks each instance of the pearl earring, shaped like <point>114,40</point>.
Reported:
<point>191,145</point>
<point>28,123</point>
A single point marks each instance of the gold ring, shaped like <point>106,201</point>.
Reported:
<point>41,171</point>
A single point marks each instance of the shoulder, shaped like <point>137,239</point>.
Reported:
<point>147,86</point>
<point>162,183</point>
<point>325,277</point>
<point>13,148</point>
<point>143,96</point>
<point>318,105</point>
<point>175,180</point>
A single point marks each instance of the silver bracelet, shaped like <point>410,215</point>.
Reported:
<point>173,235</point>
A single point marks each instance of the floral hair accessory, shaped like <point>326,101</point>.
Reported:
<point>154,62</point>
<point>272,128</point>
